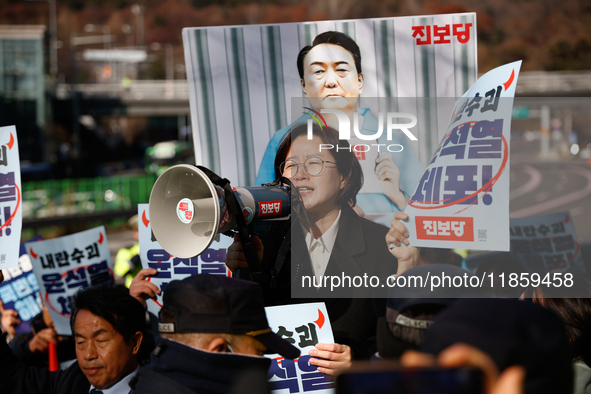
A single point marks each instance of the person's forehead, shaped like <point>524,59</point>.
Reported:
<point>301,145</point>
<point>328,53</point>
<point>88,321</point>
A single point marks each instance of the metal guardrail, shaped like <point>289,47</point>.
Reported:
<point>536,82</point>
<point>84,197</point>
<point>530,82</point>
<point>136,90</point>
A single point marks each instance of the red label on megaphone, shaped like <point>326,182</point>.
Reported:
<point>184,210</point>
<point>269,208</point>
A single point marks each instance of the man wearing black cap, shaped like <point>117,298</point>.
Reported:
<point>214,330</point>
<point>411,309</point>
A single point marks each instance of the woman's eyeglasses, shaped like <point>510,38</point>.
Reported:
<point>313,166</point>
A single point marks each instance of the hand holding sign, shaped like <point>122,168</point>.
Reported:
<point>331,358</point>
<point>141,289</point>
<point>398,234</point>
<point>40,342</point>
<point>397,241</point>
<point>9,319</point>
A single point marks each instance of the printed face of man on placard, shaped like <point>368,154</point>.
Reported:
<point>331,80</point>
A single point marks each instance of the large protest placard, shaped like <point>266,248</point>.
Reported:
<point>11,212</point>
<point>152,255</point>
<point>462,200</point>
<point>547,243</point>
<point>63,265</point>
<point>243,81</point>
<point>20,291</point>
<point>303,325</point>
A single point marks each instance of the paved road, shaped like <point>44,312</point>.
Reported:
<point>547,186</point>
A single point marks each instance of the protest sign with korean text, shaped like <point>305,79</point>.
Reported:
<point>303,325</point>
<point>243,79</point>
<point>64,265</point>
<point>20,291</point>
<point>462,200</point>
<point>152,255</point>
<point>11,212</point>
<point>547,243</point>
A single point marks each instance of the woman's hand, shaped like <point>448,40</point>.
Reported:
<point>389,176</point>
<point>235,257</point>
<point>331,358</point>
<point>141,289</point>
<point>408,256</point>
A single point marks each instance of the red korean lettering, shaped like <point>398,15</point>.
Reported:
<point>420,32</point>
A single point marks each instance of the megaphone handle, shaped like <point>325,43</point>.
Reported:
<point>242,273</point>
<point>235,208</point>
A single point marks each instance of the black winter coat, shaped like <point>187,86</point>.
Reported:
<point>17,378</point>
<point>360,248</point>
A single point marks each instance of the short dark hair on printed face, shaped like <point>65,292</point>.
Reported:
<point>113,304</point>
<point>335,38</point>
<point>347,164</point>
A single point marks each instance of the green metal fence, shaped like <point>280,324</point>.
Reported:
<point>44,199</point>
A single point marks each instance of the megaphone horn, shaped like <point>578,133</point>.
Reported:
<point>188,210</point>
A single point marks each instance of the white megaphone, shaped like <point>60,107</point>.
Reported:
<point>188,210</point>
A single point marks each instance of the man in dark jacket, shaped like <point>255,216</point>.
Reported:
<point>108,325</point>
<point>214,332</point>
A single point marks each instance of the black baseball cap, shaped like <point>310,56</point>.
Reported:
<point>401,298</point>
<point>207,303</point>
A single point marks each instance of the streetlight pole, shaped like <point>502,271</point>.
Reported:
<point>137,10</point>
<point>169,64</point>
<point>75,42</point>
<point>168,50</point>
<point>75,104</point>
<point>53,39</point>
<point>169,61</point>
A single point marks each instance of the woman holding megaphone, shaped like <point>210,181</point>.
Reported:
<point>327,253</point>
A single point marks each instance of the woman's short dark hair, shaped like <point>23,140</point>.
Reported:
<point>113,304</point>
<point>335,38</point>
<point>347,163</point>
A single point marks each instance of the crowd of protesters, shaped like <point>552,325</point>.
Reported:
<point>212,331</point>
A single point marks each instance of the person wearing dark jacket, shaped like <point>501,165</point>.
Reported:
<point>327,243</point>
<point>511,333</point>
<point>33,348</point>
<point>214,331</point>
<point>108,325</point>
